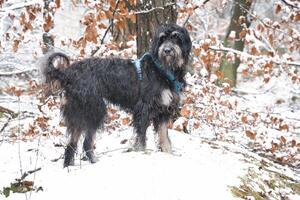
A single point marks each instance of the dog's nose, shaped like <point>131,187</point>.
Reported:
<point>167,50</point>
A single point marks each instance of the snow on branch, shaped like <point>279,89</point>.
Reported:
<point>288,3</point>
<point>152,9</point>
<point>16,6</point>
<point>17,72</point>
<point>271,59</point>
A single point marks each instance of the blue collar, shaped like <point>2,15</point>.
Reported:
<point>166,73</point>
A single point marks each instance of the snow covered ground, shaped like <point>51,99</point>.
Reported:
<point>194,171</point>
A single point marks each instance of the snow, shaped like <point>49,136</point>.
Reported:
<point>194,171</point>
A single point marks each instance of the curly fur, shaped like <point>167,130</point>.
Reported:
<point>91,82</point>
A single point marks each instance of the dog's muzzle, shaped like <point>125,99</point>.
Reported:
<point>170,55</point>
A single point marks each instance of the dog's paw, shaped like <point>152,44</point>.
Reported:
<point>69,162</point>
<point>167,148</point>
<point>91,157</point>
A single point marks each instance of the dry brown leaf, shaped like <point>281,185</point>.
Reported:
<point>185,112</point>
<point>250,134</point>
<point>278,8</point>
<point>125,121</point>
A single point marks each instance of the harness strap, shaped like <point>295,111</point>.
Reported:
<point>168,74</point>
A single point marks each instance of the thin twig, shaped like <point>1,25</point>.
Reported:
<point>108,28</point>
<point>262,22</point>
<point>25,174</point>
<point>17,72</point>
<point>152,9</point>
<point>189,16</point>
<point>5,124</point>
<point>290,4</point>
<point>226,49</point>
<point>16,6</point>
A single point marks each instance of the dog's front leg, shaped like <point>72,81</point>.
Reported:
<point>163,142</point>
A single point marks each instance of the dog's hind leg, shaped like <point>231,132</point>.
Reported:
<point>95,113</point>
<point>88,145</point>
<point>71,147</point>
<point>141,122</point>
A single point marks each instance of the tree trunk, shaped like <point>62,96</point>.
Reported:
<point>238,21</point>
<point>48,39</point>
<point>150,15</point>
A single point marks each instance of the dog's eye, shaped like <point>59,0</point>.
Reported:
<point>162,36</point>
<point>175,34</point>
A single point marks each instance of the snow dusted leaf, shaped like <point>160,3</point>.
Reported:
<point>57,2</point>
<point>91,34</point>
<point>283,140</point>
<point>14,90</point>
<point>48,23</point>
<point>220,74</point>
<point>189,26</point>
<point>284,127</point>
<point>251,134</point>
<point>293,143</point>
<point>278,8</point>
<point>242,19</point>
<point>210,116</point>
<point>243,34</point>
<point>185,112</point>
<point>254,50</point>
<point>197,51</point>
<point>196,125</point>
<point>125,121</point>
<point>271,38</point>
<point>244,119</point>
<point>16,45</point>
<point>124,141</point>
<point>120,24</point>
<point>205,46</point>
<point>245,72</point>
<point>280,101</point>
<point>42,122</point>
<point>297,17</point>
<point>227,89</point>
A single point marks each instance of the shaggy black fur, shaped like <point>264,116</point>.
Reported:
<point>90,83</point>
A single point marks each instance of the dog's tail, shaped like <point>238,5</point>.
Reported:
<point>52,67</point>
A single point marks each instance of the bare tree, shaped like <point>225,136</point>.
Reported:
<point>150,15</point>
<point>239,21</point>
<point>48,40</point>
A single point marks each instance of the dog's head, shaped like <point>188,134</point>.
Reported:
<point>171,46</point>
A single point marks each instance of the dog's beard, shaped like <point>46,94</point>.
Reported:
<point>169,62</point>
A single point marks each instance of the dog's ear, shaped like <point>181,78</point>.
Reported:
<point>187,43</point>
<point>155,42</point>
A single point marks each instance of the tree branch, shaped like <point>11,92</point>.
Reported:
<point>189,16</point>
<point>226,49</point>
<point>108,28</point>
<point>290,4</point>
<point>152,9</point>
<point>17,72</point>
<point>16,6</point>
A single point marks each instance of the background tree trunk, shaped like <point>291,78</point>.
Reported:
<point>152,14</point>
<point>238,21</point>
<point>48,39</point>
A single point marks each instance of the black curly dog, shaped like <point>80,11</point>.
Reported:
<point>149,88</point>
